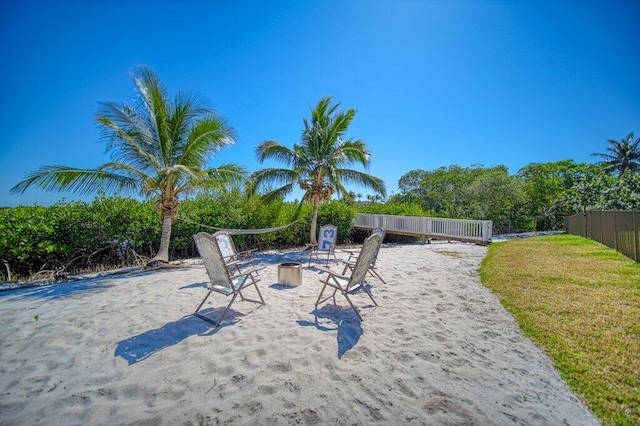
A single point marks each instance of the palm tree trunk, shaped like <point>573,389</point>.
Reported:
<point>163,252</point>
<point>314,221</point>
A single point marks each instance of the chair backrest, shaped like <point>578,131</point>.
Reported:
<point>212,258</point>
<point>380,231</point>
<point>327,237</point>
<point>366,256</point>
<point>226,245</point>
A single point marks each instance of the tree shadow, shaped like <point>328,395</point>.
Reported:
<point>59,290</point>
<point>346,321</point>
<point>142,346</point>
<point>78,284</point>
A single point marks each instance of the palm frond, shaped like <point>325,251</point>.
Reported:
<point>129,139</point>
<point>157,108</point>
<point>276,151</point>
<point>340,124</point>
<point>621,155</point>
<point>359,178</point>
<point>278,193</point>
<point>274,177</point>
<point>205,139</point>
<point>80,181</point>
<point>354,152</point>
<point>227,174</point>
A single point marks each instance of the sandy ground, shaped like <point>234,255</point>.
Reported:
<point>125,349</point>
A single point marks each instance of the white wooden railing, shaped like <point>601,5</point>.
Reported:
<point>476,231</point>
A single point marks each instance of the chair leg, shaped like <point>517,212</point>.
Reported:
<point>203,300</point>
<point>255,284</point>
<point>369,294</point>
<point>375,274</point>
<point>259,294</point>
<point>225,311</point>
<point>320,295</point>
<point>352,305</point>
<point>346,266</point>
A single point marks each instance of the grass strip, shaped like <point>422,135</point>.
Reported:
<point>580,302</point>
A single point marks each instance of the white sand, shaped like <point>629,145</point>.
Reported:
<point>125,349</point>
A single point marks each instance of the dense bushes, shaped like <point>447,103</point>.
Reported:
<point>110,232</point>
<point>68,237</point>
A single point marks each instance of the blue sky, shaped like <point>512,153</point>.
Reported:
<point>435,83</point>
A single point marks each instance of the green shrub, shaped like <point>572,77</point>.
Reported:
<point>398,209</point>
<point>115,231</point>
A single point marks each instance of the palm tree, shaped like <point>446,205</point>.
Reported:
<point>317,163</point>
<point>621,155</point>
<point>160,147</point>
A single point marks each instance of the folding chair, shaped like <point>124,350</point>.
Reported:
<point>326,242</point>
<point>221,279</point>
<point>353,254</point>
<point>232,258</point>
<point>349,284</point>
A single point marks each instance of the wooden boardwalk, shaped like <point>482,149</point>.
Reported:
<point>430,228</point>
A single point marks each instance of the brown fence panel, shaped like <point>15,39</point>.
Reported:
<point>619,230</point>
<point>594,225</point>
<point>576,225</point>
<point>608,229</point>
<point>627,234</point>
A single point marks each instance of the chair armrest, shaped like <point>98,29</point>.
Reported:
<point>246,253</point>
<point>334,273</point>
<point>352,251</point>
<point>249,271</point>
<point>233,262</point>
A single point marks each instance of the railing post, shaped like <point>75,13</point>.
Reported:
<point>486,232</point>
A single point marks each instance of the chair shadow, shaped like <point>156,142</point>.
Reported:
<point>140,347</point>
<point>346,321</point>
<point>195,285</point>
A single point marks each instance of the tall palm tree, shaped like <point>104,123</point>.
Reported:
<point>317,163</point>
<point>621,155</point>
<point>160,147</point>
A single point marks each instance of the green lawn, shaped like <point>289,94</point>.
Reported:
<point>580,301</point>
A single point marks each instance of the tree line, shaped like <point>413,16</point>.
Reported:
<point>538,197</point>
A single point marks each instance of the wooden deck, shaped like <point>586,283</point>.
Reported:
<point>430,228</point>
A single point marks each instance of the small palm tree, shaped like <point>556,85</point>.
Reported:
<point>160,147</point>
<point>317,163</point>
<point>621,155</point>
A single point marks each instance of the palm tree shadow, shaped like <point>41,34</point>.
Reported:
<point>140,347</point>
<point>346,321</point>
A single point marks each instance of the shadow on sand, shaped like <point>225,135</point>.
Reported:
<point>142,346</point>
<point>346,321</point>
<point>59,290</point>
<point>79,284</point>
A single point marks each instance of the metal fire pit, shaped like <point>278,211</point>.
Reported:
<point>290,274</point>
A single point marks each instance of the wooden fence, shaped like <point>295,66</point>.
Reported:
<point>474,231</point>
<point>619,230</point>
